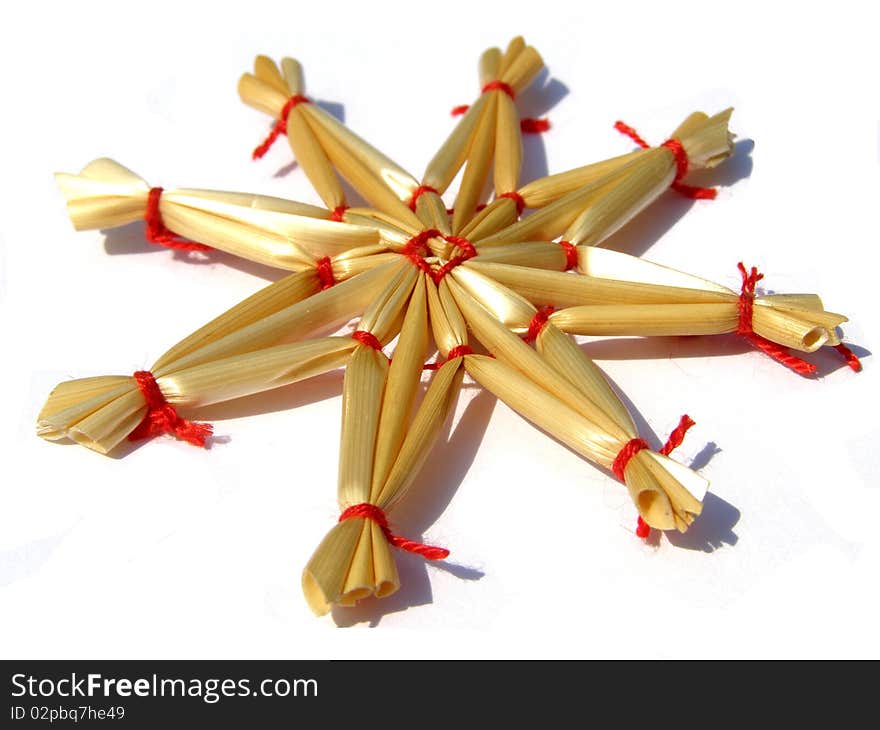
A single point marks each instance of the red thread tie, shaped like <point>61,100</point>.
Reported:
<point>527,126</point>
<point>537,323</point>
<point>367,338</point>
<point>467,252</point>
<point>457,351</point>
<point>371,512</point>
<point>634,446</point>
<point>338,212</point>
<point>417,247</point>
<point>157,232</point>
<point>851,358</point>
<point>681,164</point>
<point>280,126</point>
<point>518,200</point>
<point>571,255</point>
<point>161,417</point>
<point>324,268</point>
<point>530,125</point>
<point>744,325</point>
<point>417,193</point>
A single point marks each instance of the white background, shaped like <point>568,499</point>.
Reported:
<point>170,551</point>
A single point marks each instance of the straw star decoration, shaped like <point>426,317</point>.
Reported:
<point>497,292</point>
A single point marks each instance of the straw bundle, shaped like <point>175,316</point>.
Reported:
<point>322,145</point>
<point>272,231</point>
<point>563,392</point>
<point>232,356</point>
<point>380,455</point>
<point>489,130</point>
<point>619,294</point>
<point>406,266</point>
<point>587,205</point>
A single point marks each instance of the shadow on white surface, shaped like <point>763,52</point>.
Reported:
<point>825,359</point>
<point>662,348</point>
<point>438,481</point>
<point>649,226</point>
<point>25,560</point>
<point>130,239</point>
<point>536,101</point>
<point>712,530</point>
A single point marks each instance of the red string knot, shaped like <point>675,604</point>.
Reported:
<point>571,255</point>
<point>518,200</point>
<point>417,193</point>
<point>750,278</point>
<point>416,249</point>
<point>634,446</point>
<point>681,163</point>
<point>530,125</point>
<point>850,357</point>
<point>467,252</point>
<point>746,305</point>
<point>500,86</point>
<point>324,269</point>
<point>161,417</point>
<point>527,125</point>
<point>538,322</point>
<point>457,351</point>
<point>368,511</point>
<point>338,212</point>
<point>368,339</point>
<point>156,231</point>
<point>280,125</point>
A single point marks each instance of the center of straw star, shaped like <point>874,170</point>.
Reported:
<point>434,263</point>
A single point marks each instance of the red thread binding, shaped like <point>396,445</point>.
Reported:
<point>324,268</point>
<point>371,512</point>
<point>416,250</point>
<point>413,199</point>
<point>368,339</point>
<point>571,255</point>
<point>681,164</point>
<point>500,86</point>
<point>851,358</point>
<point>157,232</point>
<point>527,126</point>
<point>417,247</point>
<point>467,252</point>
<point>161,417</point>
<point>537,323</point>
<point>338,212</point>
<point>517,199</point>
<point>280,126</point>
<point>530,125</point>
<point>457,351</point>
<point>744,325</point>
<point>634,446</point>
